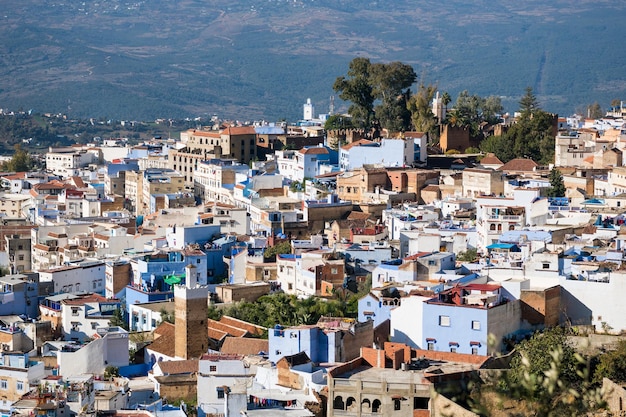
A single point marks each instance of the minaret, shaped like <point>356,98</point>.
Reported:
<point>309,110</point>
<point>191,310</point>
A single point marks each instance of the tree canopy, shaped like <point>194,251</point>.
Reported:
<point>420,106</point>
<point>546,378</point>
<point>557,187</point>
<point>20,161</point>
<point>377,92</point>
<point>530,136</point>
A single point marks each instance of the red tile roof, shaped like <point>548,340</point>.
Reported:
<point>244,325</point>
<point>358,143</point>
<point>244,345</point>
<point>317,150</point>
<point>243,130</point>
<point>491,159</point>
<point>519,164</point>
<point>164,339</point>
<point>178,367</point>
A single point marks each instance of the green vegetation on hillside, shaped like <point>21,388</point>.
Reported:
<point>133,60</point>
<point>530,136</point>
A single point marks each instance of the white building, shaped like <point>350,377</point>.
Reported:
<point>219,375</point>
<point>18,375</point>
<point>86,277</point>
<point>215,180</point>
<point>496,215</point>
<point>308,110</point>
<point>110,348</point>
<point>68,162</point>
<point>82,317</point>
<point>387,152</point>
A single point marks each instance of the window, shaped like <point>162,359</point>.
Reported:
<point>20,257</point>
<point>431,345</point>
<point>475,325</point>
<point>474,350</point>
<point>333,271</point>
<point>213,368</point>
<point>20,385</point>
<point>546,265</point>
<point>453,349</point>
<point>197,261</point>
<point>220,392</point>
<point>75,326</point>
<point>444,321</point>
<point>94,325</point>
<point>396,404</point>
<point>3,384</point>
<point>74,311</point>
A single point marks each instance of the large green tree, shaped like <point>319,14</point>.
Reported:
<point>546,378</point>
<point>391,87</point>
<point>357,89</point>
<point>377,92</point>
<point>471,111</point>
<point>420,106</point>
<point>557,187</point>
<point>20,161</point>
<point>612,365</point>
<point>531,136</point>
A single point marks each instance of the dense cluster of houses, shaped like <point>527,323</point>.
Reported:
<point>464,260</point>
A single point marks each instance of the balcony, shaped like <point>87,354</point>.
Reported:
<point>505,218</point>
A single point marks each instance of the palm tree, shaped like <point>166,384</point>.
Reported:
<point>445,100</point>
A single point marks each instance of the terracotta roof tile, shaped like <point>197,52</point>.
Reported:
<point>232,331</point>
<point>243,130</point>
<point>179,367</point>
<point>317,150</point>
<point>164,339</point>
<point>357,143</point>
<point>491,159</point>
<point>244,345</point>
<point>244,325</point>
<point>519,164</point>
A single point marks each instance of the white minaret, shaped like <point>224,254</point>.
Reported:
<point>309,110</point>
<point>438,109</point>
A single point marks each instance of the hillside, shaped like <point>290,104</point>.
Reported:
<point>142,59</point>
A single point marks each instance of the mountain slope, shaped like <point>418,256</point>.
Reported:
<point>262,58</point>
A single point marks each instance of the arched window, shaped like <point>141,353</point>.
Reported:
<point>492,227</point>
<point>500,227</point>
<point>338,403</point>
<point>376,406</point>
<point>511,227</point>
<point>350,402</point>
<point>366,406</point>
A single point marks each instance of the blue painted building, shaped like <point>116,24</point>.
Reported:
<point>151,271</point>
<point>331,340</point>
<point>19,295</point>
<point>461,319</point>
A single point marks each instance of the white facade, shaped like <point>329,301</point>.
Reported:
<point>110,349</point>
<point>597,301</point>
<point>388,152</point>
<point>74,279</point>
<point>406,321</point>
<point>414,241</point>
<point>67,164</point>
<point>82,321</point>
<point>215,374</point>
<point>308,110</point>
<point>495,215</point>
<point>215,181</point>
